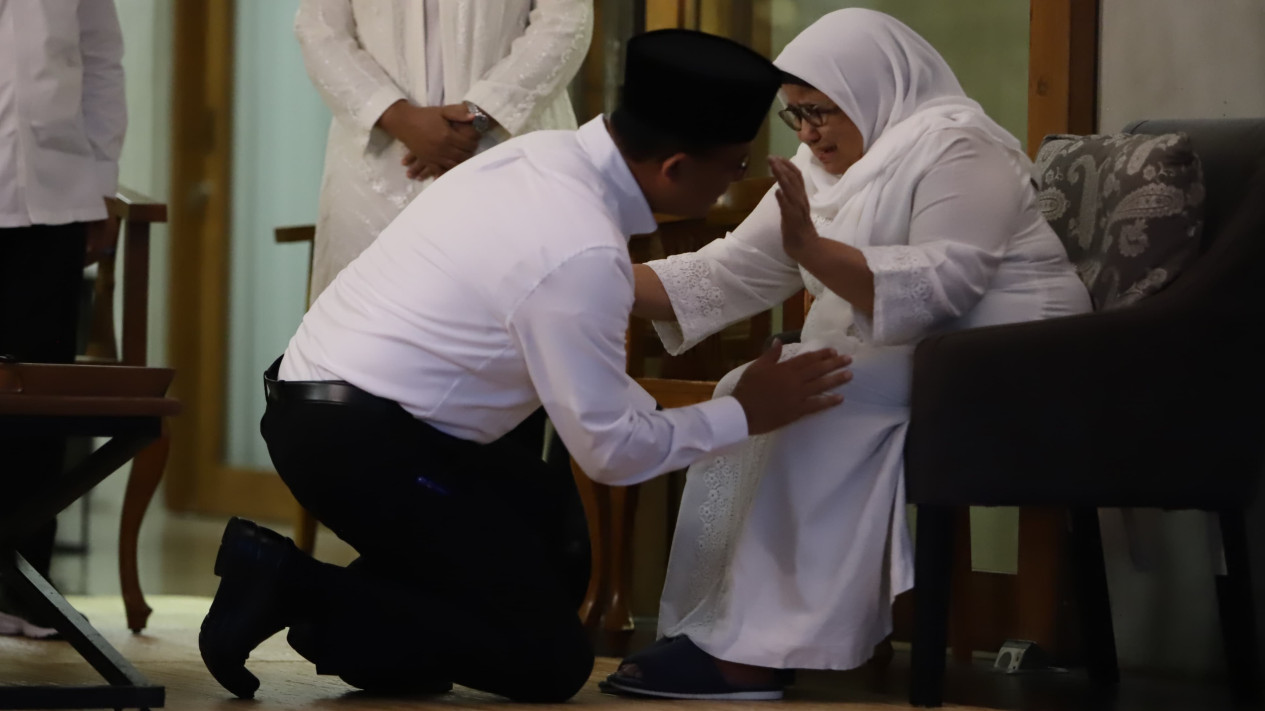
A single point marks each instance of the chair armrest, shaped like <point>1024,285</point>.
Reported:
<point>295,233</point>
<point>1008,364</point>
<point>786,337</point>
<point>131,206</point>
<point>677,393</point>
<point>1050,410</point>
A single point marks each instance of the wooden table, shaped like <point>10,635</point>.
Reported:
<point>125,404</point>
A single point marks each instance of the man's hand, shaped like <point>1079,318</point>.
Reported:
<point>417,170</point>
<point>776,394</point>
<point>438,136</point>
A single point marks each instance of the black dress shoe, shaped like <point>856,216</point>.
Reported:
<point>250,604</point>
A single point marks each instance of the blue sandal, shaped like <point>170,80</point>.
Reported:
<point>678,669</point>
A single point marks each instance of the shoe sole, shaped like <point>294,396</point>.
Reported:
<point>754,695</point>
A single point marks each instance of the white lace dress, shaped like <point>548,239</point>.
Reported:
<point>790,547</point>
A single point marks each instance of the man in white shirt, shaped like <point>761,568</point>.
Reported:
<point>505,287</point>
<point>418,86</point>
<point>62,119</point>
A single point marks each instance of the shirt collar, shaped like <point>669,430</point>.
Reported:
<point>622,193</point>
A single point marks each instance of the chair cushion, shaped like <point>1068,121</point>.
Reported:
<point>1128,208</point>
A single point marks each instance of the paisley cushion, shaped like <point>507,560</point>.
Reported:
<point>1128,208</point>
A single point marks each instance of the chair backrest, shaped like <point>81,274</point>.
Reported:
<point>1214,310</point>
<point>1224,285</point>
<point>130,213</point>
<point>1231,152</point>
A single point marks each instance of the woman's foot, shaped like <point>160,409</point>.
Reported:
<point>733,672</point>
<point>679,669</point>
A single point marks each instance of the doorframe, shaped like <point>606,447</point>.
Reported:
<point>198,478</point>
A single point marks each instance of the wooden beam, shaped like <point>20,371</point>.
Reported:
<point>1062,69</point>
<point>665,14</point>
<point>201,137</point>
<point>1062,98</point>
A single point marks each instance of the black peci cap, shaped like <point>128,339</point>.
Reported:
<point>698,87</point>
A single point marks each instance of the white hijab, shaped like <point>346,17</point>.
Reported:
<point>902,96</point>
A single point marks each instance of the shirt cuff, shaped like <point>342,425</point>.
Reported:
<point>506,106</point>
<point>697,301</point>
<point>377,105</point>
<point>727,419</point>
<point>903,293</point>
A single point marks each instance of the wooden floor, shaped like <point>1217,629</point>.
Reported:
<point>167,653</point>
<point>177,556</point>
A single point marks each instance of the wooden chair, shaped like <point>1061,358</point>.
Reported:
<point>126,404</point>
<point>304,523</point>
<point>131,213</point>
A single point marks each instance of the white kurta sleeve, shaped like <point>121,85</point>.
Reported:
<point>570,330</point>
<point>104,99</point>
<point>540,64</point>
<point>354,86</point>
<point>728,280</point>
<point>964,216</point>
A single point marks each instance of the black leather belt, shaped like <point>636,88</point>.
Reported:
<point>337,392</point>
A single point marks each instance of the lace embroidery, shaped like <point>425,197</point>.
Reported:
<point>731,481</point>
<point>698,302</point>
<point>812,283</point>
<point>903,291</point>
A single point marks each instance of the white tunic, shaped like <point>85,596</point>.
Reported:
<point>63,112</point>
<point>471,318</point>
<point>513,58</point>
<point>790,548</point>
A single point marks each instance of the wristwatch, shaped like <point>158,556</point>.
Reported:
<point>482,122</point>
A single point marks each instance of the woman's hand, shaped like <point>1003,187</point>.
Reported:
<point>798,233</point>
<point>842,268</point>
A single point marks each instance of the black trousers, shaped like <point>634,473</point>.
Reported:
<point>474,558</point>
<point>41,270</point>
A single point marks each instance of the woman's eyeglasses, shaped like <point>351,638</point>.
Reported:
<point>795,115</point>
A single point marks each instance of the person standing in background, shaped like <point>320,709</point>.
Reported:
<point>418,86</point>
<point>63,115</point>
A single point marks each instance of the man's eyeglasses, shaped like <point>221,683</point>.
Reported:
<point>795,115</point>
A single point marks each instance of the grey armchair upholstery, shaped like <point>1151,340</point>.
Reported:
<point>1157,403</point>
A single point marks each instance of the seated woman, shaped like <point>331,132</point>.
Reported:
<point>906,212</point>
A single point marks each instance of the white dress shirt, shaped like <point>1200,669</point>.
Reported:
<point>506,285</point>
<point>62,110</point>
<point>513,58</point>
